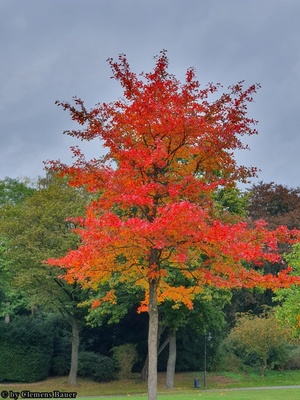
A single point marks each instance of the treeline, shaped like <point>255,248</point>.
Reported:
<point>48,327</point>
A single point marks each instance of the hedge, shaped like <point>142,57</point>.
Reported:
<point>25,350</point>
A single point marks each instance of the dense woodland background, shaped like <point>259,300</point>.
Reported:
<point>44,319</point>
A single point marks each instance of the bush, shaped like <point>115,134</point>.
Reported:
<point>259,340</point>
<point>279,356</point>
<point>293,359</point>
<point>60,365</point>
<point>96,367</point>
<point>25,364</point>
<point>125,356</point>
<point>226,360</point>
<point>25,350</point>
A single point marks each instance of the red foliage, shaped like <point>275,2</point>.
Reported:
<point>168,150</point>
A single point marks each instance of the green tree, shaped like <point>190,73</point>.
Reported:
<point>231,203</point>
<point>13,192</point>
<point>258,336</point>
<point>35,230</point>
<point>288,310</point>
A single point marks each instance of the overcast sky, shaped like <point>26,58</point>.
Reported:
<point>56,49</point>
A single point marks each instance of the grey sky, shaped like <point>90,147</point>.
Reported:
<point>55,49</point>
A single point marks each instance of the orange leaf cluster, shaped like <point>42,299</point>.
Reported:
<point>168,150</point>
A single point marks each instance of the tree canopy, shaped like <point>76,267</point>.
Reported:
<point>258,335</point>
<point>169,149</point>
<point>35,229</point>
<point>276,204</point>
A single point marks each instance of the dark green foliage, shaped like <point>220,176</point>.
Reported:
<point>60,365</point>
<point>190,350</point>
<point>25,350</point>
<point>96,367</point>
<point>248,300</point>
<point>279,356</point>
<point>235,360</point>
<point>61,361</point>
<point>23,364</point>
<point>227,360</point>
<point>293,359</point>
<point>132,328</point>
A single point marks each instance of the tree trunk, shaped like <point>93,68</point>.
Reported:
<point>7,315</point>
<point>145,369</point>
<point>152,341</point>
<point>74,356</point>
<point>264,365</point>
<point>171,360</point>
<point>162,346</point>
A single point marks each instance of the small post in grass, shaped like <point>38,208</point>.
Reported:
<point>207,338</point>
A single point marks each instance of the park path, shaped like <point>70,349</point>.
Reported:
<point>259,388</point>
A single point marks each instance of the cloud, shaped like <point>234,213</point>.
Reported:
<point>57,49</point>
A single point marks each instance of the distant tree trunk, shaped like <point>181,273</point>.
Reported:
<point>33,310</point>
<point>161,329</point>
<point>162,346</point>
<point>264,365</point>
<point>7,315</point>
<point>145,367</point>
<point>152,341</point>
<point>171,360</point>
<point>74,355</point>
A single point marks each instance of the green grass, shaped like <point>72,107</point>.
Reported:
<point>268,394</point>
<point>254,379</point>
<point>184,386</point>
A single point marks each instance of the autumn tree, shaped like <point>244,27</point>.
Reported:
<point>169,148</point>
<point>276,204</point>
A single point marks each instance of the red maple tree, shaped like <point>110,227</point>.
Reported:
<point>169,148</point>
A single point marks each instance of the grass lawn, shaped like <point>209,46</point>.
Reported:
<point>184,387</point>
<point>266,394</point>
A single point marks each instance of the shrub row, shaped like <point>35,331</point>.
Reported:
<point>26,354</point>
<point>25,350</point>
